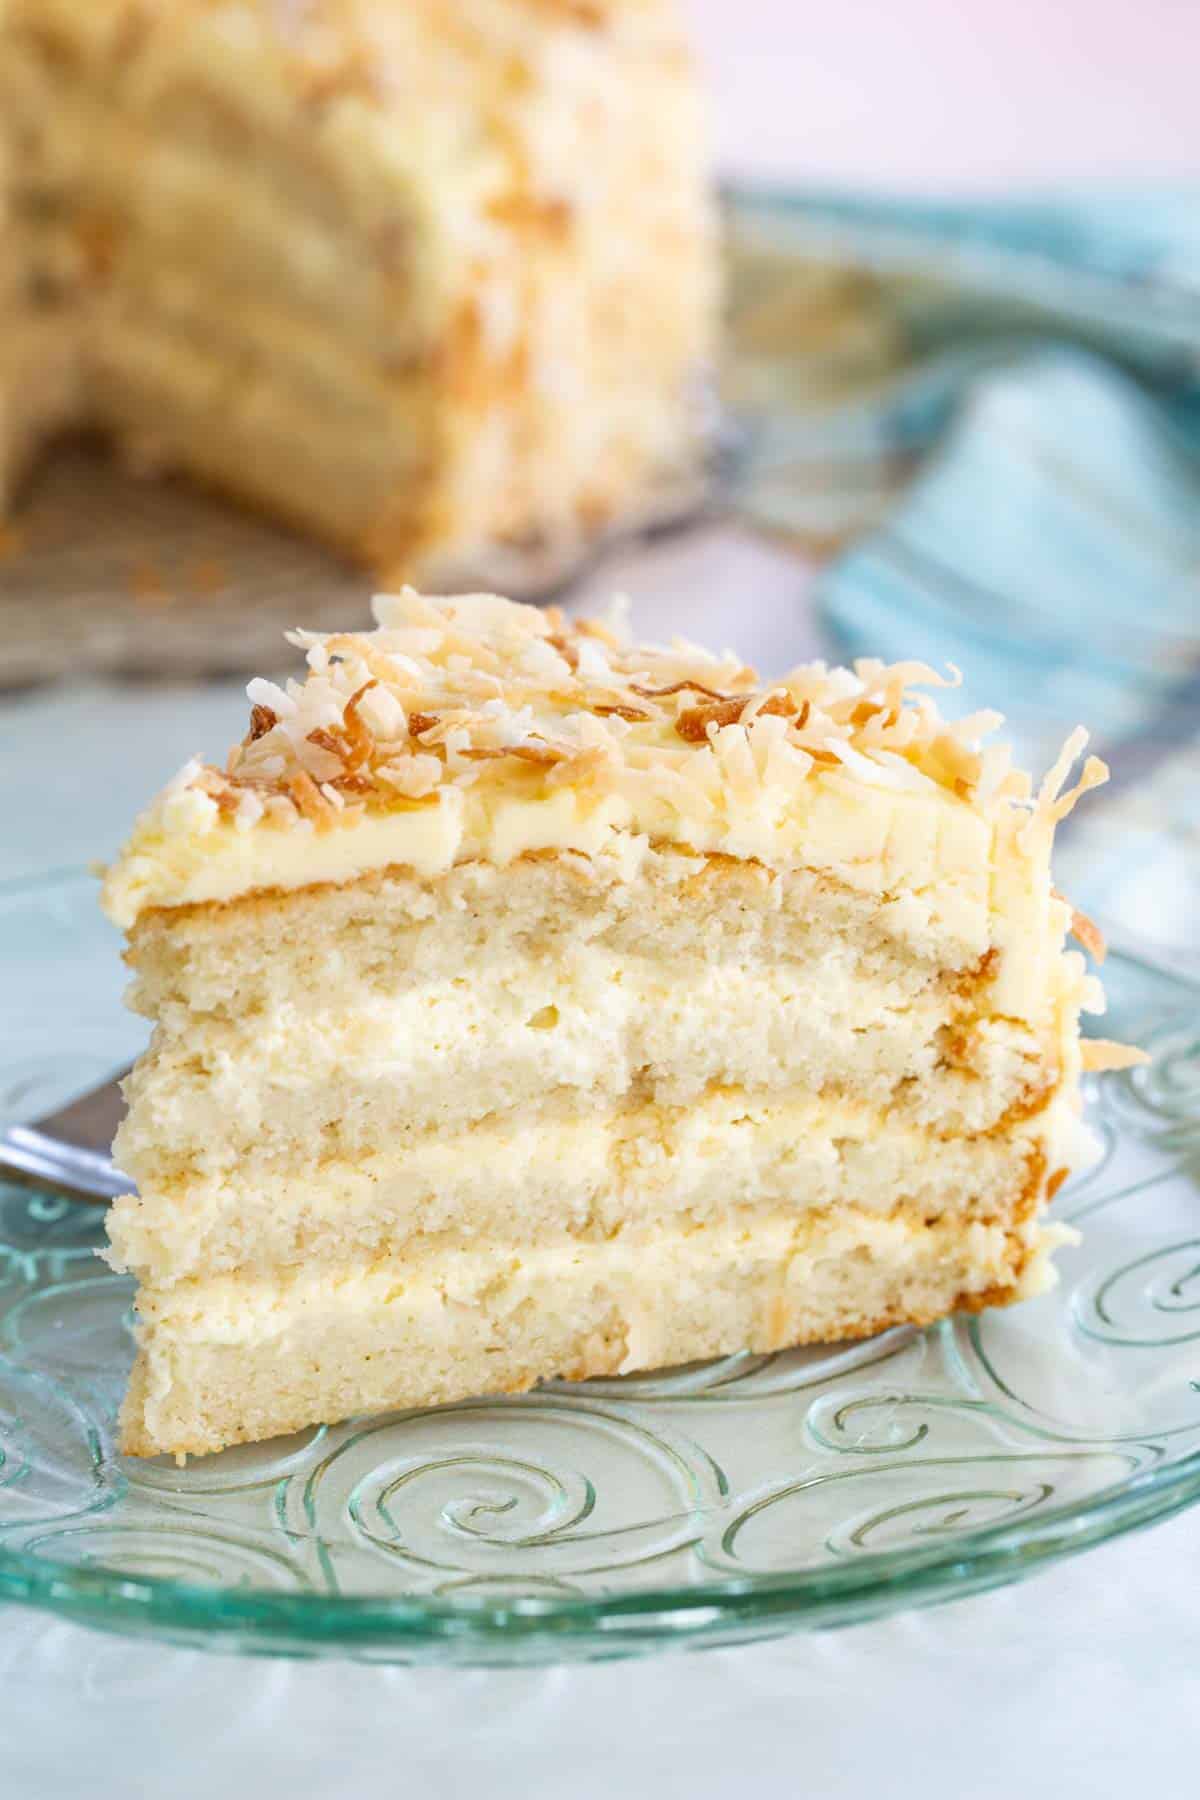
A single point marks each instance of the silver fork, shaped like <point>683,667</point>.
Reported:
<point>67,1151</point>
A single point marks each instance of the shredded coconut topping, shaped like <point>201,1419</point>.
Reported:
<point>1099,1055</point>
<point>475,689</point>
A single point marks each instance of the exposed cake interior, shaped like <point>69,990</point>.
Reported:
<point>531,1002</point>
<point>388,271</point>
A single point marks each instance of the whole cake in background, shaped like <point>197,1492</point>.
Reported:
<point>433,280</point>
<point>530,1002</point>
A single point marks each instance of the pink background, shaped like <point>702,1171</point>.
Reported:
<point>953,94</point>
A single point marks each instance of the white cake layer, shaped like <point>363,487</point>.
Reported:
<point>391,934</point>
<point>239,1358</point>
<point>524,1181</point>
<point>592,1029</point>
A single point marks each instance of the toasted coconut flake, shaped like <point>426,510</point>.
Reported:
<point>414,777</point>
<point>183,778</point>
<point>633,715</point>
<point>444,687</point>
<point>876,771</point>
<point>895,677</point>
<point>1101,1054</point>
<point>360,741</point>
<point>209,781</point>
<point>772,703</point>
<point>309,800</point>
<point>565,649</point>
<point>976,726</point>
<point>902,771</point>
<point>250,809</point>
<point>545,754</point>
<point>677,687</point>
<point>693,723</point>
<point>586,769</point>
<point>325,740</point>
<point>865,710</point>
<point>383,712</point>
<point>265,693</point>
<point>595,628</point>
<point>262,720</point>
<point>1094,775</point>
<point>1051,800</point>
<point>1085,931</point>
<point>993,769</point>
<point>266,772</point>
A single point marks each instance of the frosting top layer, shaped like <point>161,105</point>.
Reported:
<point>471,727</point>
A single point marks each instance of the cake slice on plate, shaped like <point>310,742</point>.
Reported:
<point>533,1003</point>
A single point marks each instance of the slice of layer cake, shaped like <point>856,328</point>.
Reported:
<point>433,279</point>
<point>531,1003</point>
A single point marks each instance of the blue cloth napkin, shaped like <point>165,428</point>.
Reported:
<point>987,418</point>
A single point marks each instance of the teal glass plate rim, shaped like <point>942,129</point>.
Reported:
<point>475,1627</point>
<point>693,1616</point>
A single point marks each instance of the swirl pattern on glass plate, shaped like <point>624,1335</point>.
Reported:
<point>895,1505</point>
<point>1152,1301</point>
<point>883,1423</point>
<point>539,1486</point>
<point>169,1549</point>
<point>53,1461</point>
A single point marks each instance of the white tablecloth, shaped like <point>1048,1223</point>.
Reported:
<point>1082,1681</point>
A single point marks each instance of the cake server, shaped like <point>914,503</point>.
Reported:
<point>67,1152</point>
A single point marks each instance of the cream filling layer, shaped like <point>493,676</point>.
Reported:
<point>519,1183</point>
<point>592,1018</point>
<point>974,878</point>
<point>650,1280</point>
<point>197,1108</point>
<point>183,851</point>
<point>981,880</point>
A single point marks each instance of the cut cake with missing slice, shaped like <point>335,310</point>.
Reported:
<point>434,280</point>
<point>532,1003</point>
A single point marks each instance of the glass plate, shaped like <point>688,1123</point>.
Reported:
<point>750,1496</point>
